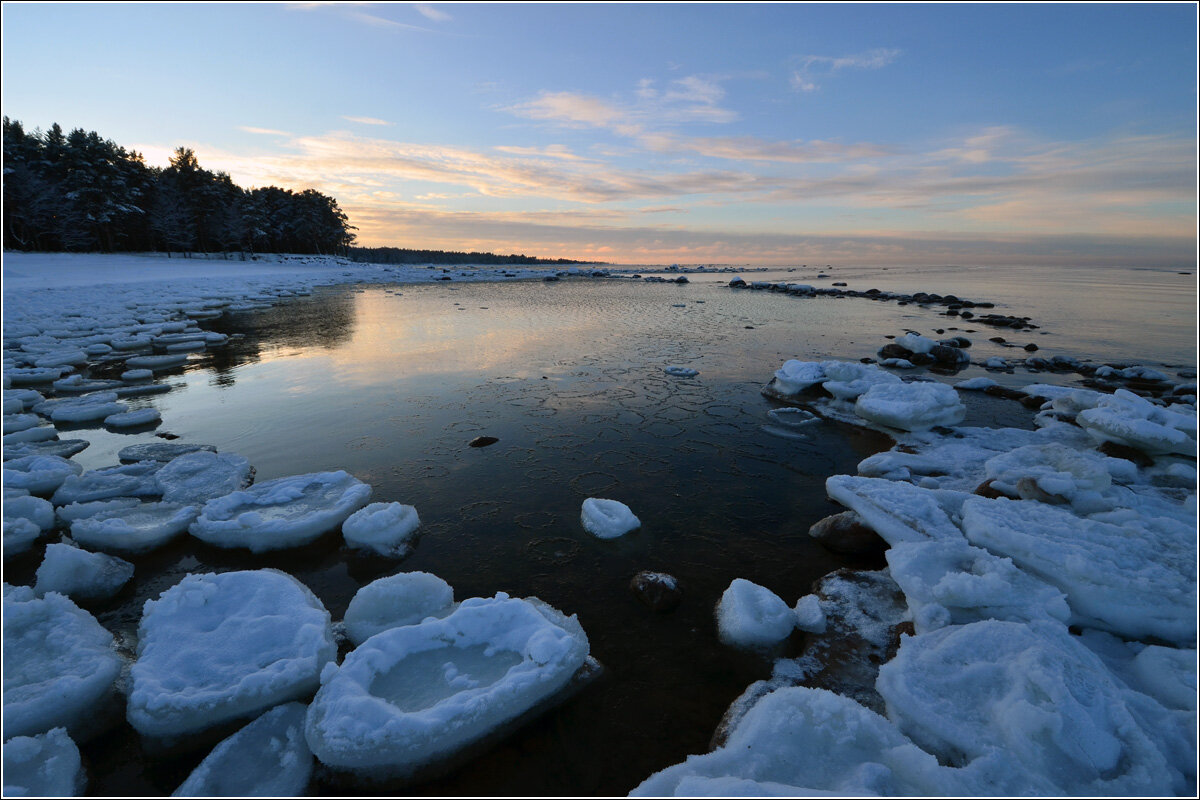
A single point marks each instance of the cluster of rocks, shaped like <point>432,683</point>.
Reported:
<point>955,306</point>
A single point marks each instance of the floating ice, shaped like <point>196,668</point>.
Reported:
<point>846,380</point>
<point>39,474</point>
<point>59,665</point>
<point>285,512</point>
<point>215,648</point>
<point>130,480</point>
<point>15,423</point>
<point>681,372</point>
<point>81,575</point>
<point>133,419</point>
<point>1127,419</point>
<point>132,375</point>
<point>86,409</point>
<point>133,530</point>
<point>952,583</point>
<point>73,511</point>
<point>899,512</point>
<point>910,406</point>
<point>752,616</point>
<point>385,528</point>
<point>793,417</point>
<point>976,384</point>
<point>419,694</point>
<point>202,475</point>
<point>36,434</point>
<point>157,362</point>
<point>1033,692</point>
<point>34,510</point>
<point>1135,583</point>
<point>46,765</point>
<point>607,519</point>
<point>395,601</point>
<point>267,758</point>
<point>796,376</point>
<point>159,451</point>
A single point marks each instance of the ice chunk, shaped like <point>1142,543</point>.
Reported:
<point>385,528</point>
<point>810,617</point>
<point>73,511</point>
<point>753,617</point>
<point>59,665</point>
<point>267,758</point>
<point>976,384</point>
<point>793,417</point>
<point>128,480</point>
<point>846,380</point>
<point>47,765</point>
<point>796,376</point>
<point>1052,473</point>
<point>15,423</point>
<point>1127,419</point>
<point>899,512</point>
<point>916,343</point>
<point>79,574</point>
<point>398,600</point>
<point>419,694</point>
<point>35,510</point>
<point>159,451</point>
<point>1032,691</point>
<point>39,474</point>
<point>1135,583</point>
<point>202,475</point>
<point>607,519</point>
<point>215,648</point>
<point>285,512</point>
<point>157,362</point>
<point>132,375</point>
<point>810,738</point>
<point>86,410</point>
<point>133,530</point>
<point>681,372</point>
<point>952,583</point>
<point>133,419</point>
<point>911,406</point>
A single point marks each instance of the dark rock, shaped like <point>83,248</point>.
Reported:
<point>658,591</point>
<point>482,441</point>
<point>847,534</point>
<point>893,350</point>
<point>737,283</point>
<point>839,283</point>
<point>681,279</point>
<point>998,339</point>
<point>965,314</point>
<point>949,355</point>
<point>1033,402</point>
<point>921,359</point>
<point>1031,347</point>
<point>985,490</point>
<point>1126,452</point>
<point>166,435</point>
<point>956,341</point>
<point>550,278</point>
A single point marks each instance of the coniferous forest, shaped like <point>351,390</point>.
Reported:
<point>78,192</point>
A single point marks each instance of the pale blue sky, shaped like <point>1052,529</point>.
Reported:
<point>647,133</point>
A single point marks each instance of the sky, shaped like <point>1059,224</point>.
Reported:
<point>1055,134</point>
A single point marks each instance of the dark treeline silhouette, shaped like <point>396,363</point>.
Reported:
<point>79,192</point>
<point>402,255</point>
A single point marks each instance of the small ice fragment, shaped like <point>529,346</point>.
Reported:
<point>81,575</point>
<point>793,417</point>
<point>810,617</point>
<point>395,601</point>
<point>385,528</point>
<point>607,519</point>
<point>753,617</point>
<point>267,758</point>
<point>681,372</point>
<point>976,384</point>
<point>46,765</point>
<point>133,419</point>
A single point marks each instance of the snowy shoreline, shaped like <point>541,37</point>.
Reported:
<point>58,315</point>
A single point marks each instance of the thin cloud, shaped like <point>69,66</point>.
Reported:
<point>368,120</point>
<point>813,68</point>
<point>262,131</point>
<point>431,13</point>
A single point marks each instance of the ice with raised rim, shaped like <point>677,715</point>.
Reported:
<point>81,575</point>
<point>134,529</point>
<point>383,528</point>
<point>133,419</point>
<point>46,765</point>
<point>219,647</point>
<point>202,475</point>
<point>395,601</point>
<point>911,406</point>
<point>607,519</point>
<point>59,665</point>
<point>681,372</point>
<point>267,758</point>
<point>422,693</point>
<point>753,617</point>
<point>281,513</point>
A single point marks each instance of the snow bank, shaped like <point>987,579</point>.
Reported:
<point>214,648</point>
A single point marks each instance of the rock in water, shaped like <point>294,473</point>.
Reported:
<point>482,441</point>
<point>657,590</point>
<point>846,533</point>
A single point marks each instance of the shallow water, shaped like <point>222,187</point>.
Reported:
<point>391,383</point>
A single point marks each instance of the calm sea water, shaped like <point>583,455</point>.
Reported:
<point>391,382</point>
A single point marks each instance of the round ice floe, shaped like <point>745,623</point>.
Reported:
<point>202,475</point>
<point>681,372</point>
<point>796,376</point>
<point>752,616</point>
<point>81,575</point>
<point>86,411</point>
<point>45,447</point>
<point>73,511</point>
<point>132,375</point>
<point>385,528</point>
<point>793,417</point>
<point>910,406</point>
<point>137,529</point>
<point>59,664</point>
<point>133,419</point>
<point>130,480</point>
<point>267,758</point>
<point>1127,419</point>
<point>214,648</point>
<point>157,362</point>
<point>35,510</point>
<point>285,512</point>
<point>1051,473</point>
<point>395,601</point>
<point>419,694</point>
<point>607,519</point>
<point>1032,691</point>
<point>47,765</point>
<point>39,474</point>
<point>159,451</point>
<point>846,380</point>
<point>15,423</point>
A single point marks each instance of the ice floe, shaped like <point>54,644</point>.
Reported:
<point>46,765</point>
<point>383,528</point>
<point>911,406</point>
<point>202,475</point>
<point>39,474</point>
<point>411,697</point>
<point>681,372</point>
<point>133,419</point>
<point>79,574</point>
<point>607,519</point>
<point>753,617</point>
<point>219,647</point>
<point>1127,419</point>
<point>133,529</point>
<point>395,601</point>
<point>281,513</point>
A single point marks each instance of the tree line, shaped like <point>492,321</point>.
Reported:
<point>79,192</point>
<point>403,255</point>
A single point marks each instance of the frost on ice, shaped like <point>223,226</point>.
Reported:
<point>384,528</point>
<point>47,765</point>
<point>267,758</point>
<point>753,617</point>
<point>414,696</point>
<point>395,601</point>
<point>218,647</point>
<point>285,512</point>
<point>607,519</point>
<point>59,665</point>
<point>1127,419</point>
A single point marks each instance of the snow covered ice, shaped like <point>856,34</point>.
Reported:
<point>219,647</point>
<point>282,513</point>
<point>383,528</point>
<point>203,475</point>
<point>79,574</point>
<point>413,696</point>
<point>911,406</point>
<point>267,758</point>
<point>753,617</point>
<point>133,529</point>
<point>395,601</point>
<point>46,765</point>
<point>39,474</point>
<point>607,519</point>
